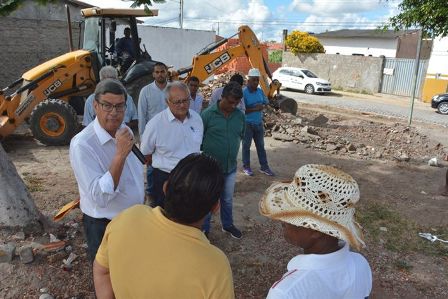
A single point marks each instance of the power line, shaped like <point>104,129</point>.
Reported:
<point>296,23</point>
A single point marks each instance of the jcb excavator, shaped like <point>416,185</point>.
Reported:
<point>207,62</point>
<point>46,91</point>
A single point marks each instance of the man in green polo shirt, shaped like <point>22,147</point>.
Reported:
<point>224,127</point>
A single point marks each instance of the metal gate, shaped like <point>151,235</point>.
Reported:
<point>398,75</point>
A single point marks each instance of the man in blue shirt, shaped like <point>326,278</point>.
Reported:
<point>254,99</point>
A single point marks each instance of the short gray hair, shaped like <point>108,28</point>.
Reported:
<point>177,85</point>
<point>109,86</point>
<point>108,72</point>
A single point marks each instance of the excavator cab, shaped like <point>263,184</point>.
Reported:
<point>112,34</point>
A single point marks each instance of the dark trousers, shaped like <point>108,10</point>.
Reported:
<point>159,178</point>
<point>94,229</point>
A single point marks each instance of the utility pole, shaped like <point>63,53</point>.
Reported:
<point>181,14</point>
<point>218,28</point>
<point>416,67</point>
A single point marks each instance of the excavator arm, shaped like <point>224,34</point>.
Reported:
<point>206,63</point>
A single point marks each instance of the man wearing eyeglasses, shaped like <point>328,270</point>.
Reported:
<point>110,179</point>
<point>130,114</point>
<point>170,136</point>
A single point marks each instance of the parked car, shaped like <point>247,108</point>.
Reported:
<point>301,79</point>
<point>440,102</point>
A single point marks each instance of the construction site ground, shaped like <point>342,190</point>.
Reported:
<point>400,197</point>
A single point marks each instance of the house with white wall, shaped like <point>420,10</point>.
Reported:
<point>436,80</point>
<point>371,42</point>
<point>173,46</point>
<point>438,63</point>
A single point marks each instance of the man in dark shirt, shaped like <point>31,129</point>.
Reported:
<point>125,44</point>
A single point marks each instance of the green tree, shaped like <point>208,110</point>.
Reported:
<point>275,56</point>
<point>302,42</point>
<point>8,6</point>
<point>430,15</point>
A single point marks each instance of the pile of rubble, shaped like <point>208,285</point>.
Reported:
<point>361,138</point>
<point>219,81</point>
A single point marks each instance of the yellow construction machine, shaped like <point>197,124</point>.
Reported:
<point>46,95</point>
<point>208,61</point>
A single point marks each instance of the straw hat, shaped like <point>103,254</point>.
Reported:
<point>321,198</point>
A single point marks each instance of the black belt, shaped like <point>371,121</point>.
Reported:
<point>101,220</point>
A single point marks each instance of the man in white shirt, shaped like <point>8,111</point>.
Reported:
<point>216,94</point>
<point>152,97</point>
<point>170,136</point>
<point>317,212</point>
<point>130,114</point>
<point>151,101</point>
<point>110,178</point>
<point>196,97</point>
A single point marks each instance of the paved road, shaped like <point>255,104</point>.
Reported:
<point>379,104</point>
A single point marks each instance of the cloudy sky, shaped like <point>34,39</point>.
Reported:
<point>269,17</point>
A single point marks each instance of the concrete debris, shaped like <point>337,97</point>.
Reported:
<point>351,147</point>
<point>219,81</point>
<point>337,135</point>
<point>319,121</point>
<point>282,137</point>
<point>19,236</point>
<point>53,239</point>
<point>433,162</point>
<point>362,139</point>
<point>26,255</point>
<point>46,296</point>
<point>403,158</point>
<point>67,263</point>
<point>7,252</point>
<point>331,147</point>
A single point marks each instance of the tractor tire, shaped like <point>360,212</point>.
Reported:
<point>134,87</point>
<point>54,122</point>
<point>309,89</point>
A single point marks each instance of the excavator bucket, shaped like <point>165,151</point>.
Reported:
<point>285,104</point>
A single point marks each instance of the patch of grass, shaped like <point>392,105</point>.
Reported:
<point>402,265</point>
<point>402,234</point>
<point>34,184</point>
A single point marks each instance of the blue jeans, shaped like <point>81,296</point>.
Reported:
<point>149,180</point>
<point>255,132</point>
<point>159,178</point>
<point>226,202</point>
<point>94,229</point>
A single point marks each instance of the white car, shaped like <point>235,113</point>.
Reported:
<point>301,79</point>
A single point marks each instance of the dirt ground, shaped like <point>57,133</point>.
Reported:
<point>398,200</point>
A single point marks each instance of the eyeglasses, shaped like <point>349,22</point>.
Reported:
<point>180,102</point>
<point>107,107</point>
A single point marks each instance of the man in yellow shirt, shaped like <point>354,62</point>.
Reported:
<point>162,253</point>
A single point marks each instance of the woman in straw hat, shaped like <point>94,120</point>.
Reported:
<point>317,214</point>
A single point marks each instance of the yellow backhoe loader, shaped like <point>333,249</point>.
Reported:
<point>208,61</point>
<point>45,95</point>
